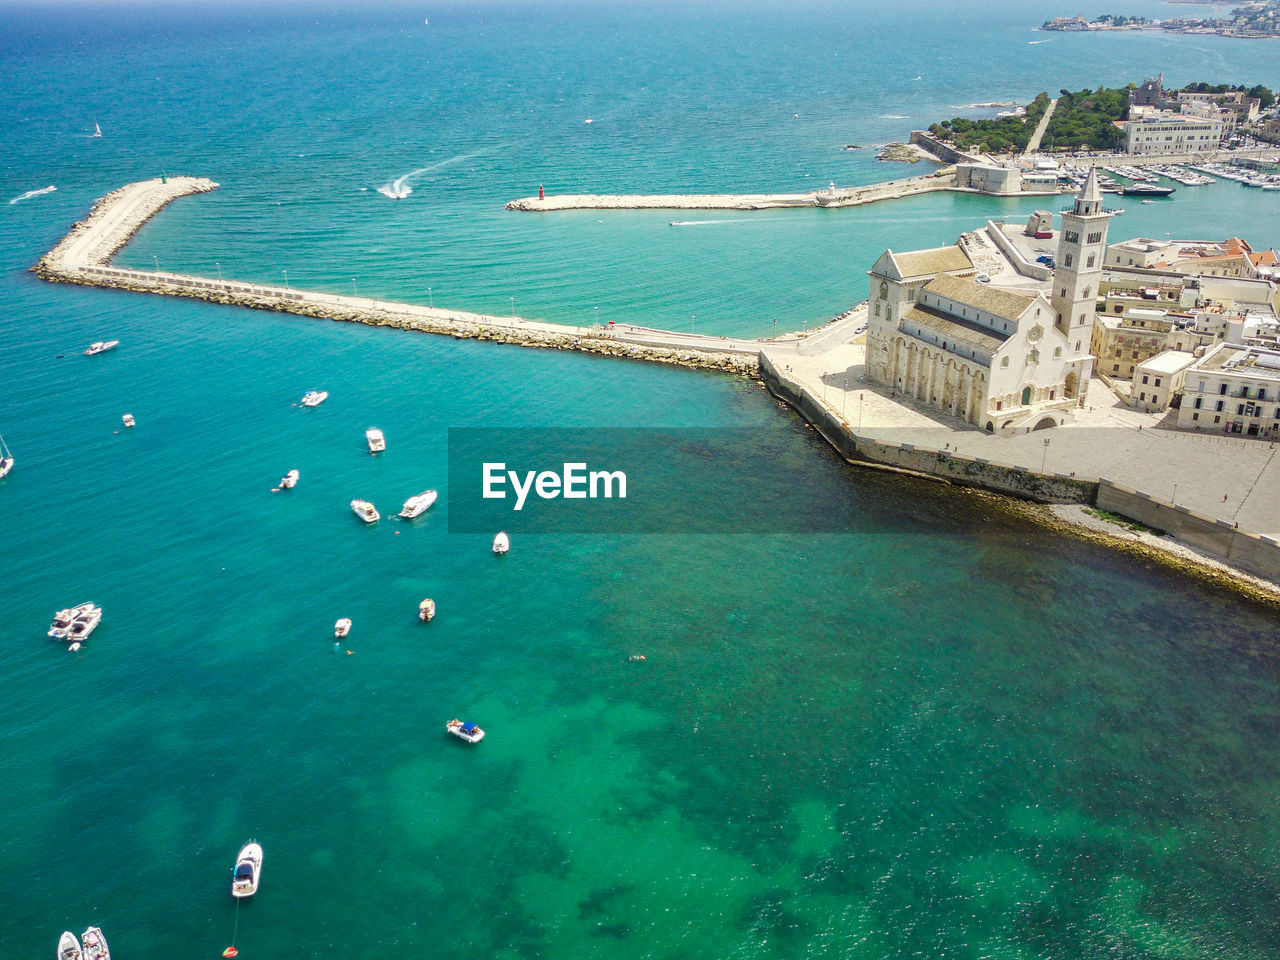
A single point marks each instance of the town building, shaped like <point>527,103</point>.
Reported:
<point>1170,134</point>
<point>1150,93</point>
<point>1225,258</point>
<point>1235,389</point>
<point>1005,360</point>
<point>1158,380</point>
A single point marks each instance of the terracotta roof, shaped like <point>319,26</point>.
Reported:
<point>920,263</point>
<point>960,331</point>
<point>983,296</point>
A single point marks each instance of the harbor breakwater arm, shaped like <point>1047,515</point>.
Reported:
<point>83,255</point>
<point>831,197</point>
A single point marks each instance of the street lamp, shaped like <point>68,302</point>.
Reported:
<point>157,260</point>
<point>219,266</point>
<point>692,323</point>
<point>355,292</point>
<point>431,300</point>
<point>286,278</point>
<point>1044,458</point>
<point>513,307</point>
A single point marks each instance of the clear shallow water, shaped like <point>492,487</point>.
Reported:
<point>948,734</point>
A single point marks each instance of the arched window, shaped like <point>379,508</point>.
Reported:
<point>1004,361</point>
<point>877,308</point>
<point>1087,291</point>
<point>1057,352</point>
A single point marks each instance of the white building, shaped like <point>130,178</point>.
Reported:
<point>1156,381</point>
<point>1233,389</point>
<point>1171,133</point>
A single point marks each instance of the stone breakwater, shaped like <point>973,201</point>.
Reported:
<point>82,258</point>
<point>831,197</point>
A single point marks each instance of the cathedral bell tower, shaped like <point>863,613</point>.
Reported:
<point>1077,274</point>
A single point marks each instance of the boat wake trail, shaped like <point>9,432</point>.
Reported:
<point>33,193</point>
<point>894,116</point>
<point>399,188</point>
<point>707,223</point>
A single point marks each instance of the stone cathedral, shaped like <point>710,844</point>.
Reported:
<point>1005,360</point>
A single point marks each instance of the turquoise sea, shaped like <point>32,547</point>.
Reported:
<point>947,734</point>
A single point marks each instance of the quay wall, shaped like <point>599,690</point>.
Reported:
<point>1037,271</point>
<point>924,461</point>
<point>1251,552</point>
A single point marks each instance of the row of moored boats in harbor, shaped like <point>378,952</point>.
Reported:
<point>1246,178</point>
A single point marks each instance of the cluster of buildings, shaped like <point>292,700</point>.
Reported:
<point>1188,326</point>
<point>1183,122</point>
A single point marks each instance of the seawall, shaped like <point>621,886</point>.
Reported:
<point>953,467</point>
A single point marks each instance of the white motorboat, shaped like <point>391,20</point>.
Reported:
<point>83,625</point>
<point>128,420</point>
<point>69,947</point>
<point>365,511</point>
<point>94,945</point>
<point>313,398</point>
<point>101,346</point>
<point>342,627</point>
<point>501,543</point>
<point>417,506</point>
<point>426,610</point>
<point>244,882</point>
<point>466,731</point>
<point>289,480</point>
<point>6,459</point>
<point>62,620</point>
<point>377,442</point>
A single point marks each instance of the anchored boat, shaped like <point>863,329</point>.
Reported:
<point>101,346</point>
<point>69,947</point>
<point>377,442</point>
<point>244,882</point>
<point>365,511</point>
<point>465,731</point>
<point>417,506</point>
<point>501,543</point>
<point>94,945</point>
<point>426,610</point>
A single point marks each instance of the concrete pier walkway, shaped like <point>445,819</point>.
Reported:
<point>831,197</point>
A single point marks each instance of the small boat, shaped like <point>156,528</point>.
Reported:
<point>365,511</point>
<point>377,442</point>
<point>128,420</point>
<point>244,882</point>
<point>289,480</point>
<point>1148,201</point>
<point>6,459</point>
<point>342,627</point>
<point>101,346</point>
<point>94,945</point>
<point>313,398</point>
<point>97,132</point>
<point>416,506</point>
<point>467,731</point>
<point>63,619</point>
<point>501,544</point>
<point>426,610</point>
<point>69,947</point>
<point>84,624</point>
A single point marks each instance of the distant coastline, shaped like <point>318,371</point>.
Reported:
<point>1254,21</point>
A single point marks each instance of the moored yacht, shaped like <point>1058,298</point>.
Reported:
<point>365,511</point>
<point>416,506</point>
<point>501,543</point>
<point>101,346</point>
<point>244,882</point>
<point>63,619</point>
<point>313,398</point>
<point>6,459</point>
<point>69,947</point>
<point>377,442</point>
<point>94,945</point>
<point>426,610</point>
<point>289,480</point>
<point>342,627</point>
<point>84,624</point>
<point>128,420</point>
